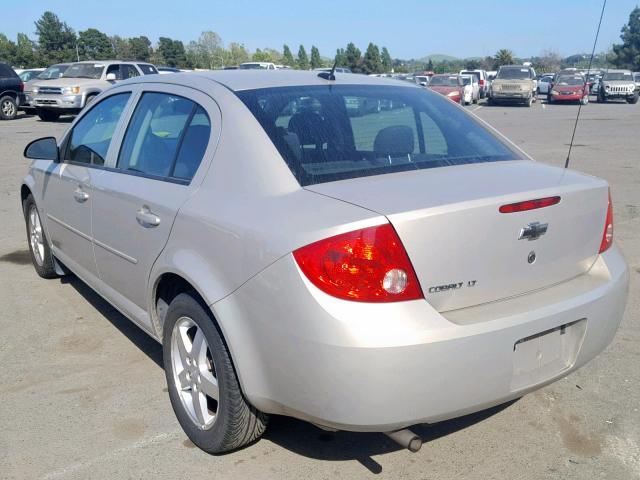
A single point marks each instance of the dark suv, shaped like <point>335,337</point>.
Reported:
<point>11,96</point>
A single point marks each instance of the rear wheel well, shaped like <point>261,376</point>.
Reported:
<point>9,93</point>
<point>168,287</point>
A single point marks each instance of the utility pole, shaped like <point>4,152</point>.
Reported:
<point>77,52</point>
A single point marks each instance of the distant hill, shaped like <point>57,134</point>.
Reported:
<point>438,57</point>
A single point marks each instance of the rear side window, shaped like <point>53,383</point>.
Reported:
<point>128,71</point>
<point>147,69</point>
<point>328,133</point>
<point>166,137</point>
<point>90,138</point>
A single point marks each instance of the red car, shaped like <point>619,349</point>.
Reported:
<point>449,85</point>
<point>569,88</point>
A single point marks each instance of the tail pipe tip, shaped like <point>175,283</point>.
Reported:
<point>406,439</point>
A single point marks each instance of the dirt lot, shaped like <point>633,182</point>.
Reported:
<point>83,395</point>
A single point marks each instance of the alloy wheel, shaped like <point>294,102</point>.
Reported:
<point>8,108</point>
<point>36,238</point>
<point>194,374</point>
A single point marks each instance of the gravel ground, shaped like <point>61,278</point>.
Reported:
<point>83,392</point>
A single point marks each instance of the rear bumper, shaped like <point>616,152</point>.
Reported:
<point>366,367</point>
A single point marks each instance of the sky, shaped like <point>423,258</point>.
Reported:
<point>408,28</point>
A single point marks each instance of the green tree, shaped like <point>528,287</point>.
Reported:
<point>316,60</point>
<point>627,54</point>
<point>371,62</point>
<point>7,50</point>
<point>210,50</point>
<point>353,58</point>
<point>25,52</point>
<point>261,56</point>
<point>121,47</point>
<point>237,54</point>
<point>341,58</point>
<point>287,56</point>
<point>94,45</point>
<point>56,40</point>
<point>472,64</point>
<point>503,57</point>
<point>385,60</point>
<point>172,52</point>
<point>303,59</point>
<point>140,48</point>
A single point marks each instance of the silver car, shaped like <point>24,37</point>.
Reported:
<point>361,272</point>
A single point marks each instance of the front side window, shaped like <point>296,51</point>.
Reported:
<point>128,71</point>
<point>91,136</point>
<point>328,133</point>
<point>166,137</point>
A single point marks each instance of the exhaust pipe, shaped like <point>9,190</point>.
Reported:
<point>406,439</point>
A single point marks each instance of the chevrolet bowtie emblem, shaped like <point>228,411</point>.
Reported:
<point>533,231</point>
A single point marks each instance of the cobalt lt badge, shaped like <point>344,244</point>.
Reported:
<point>531,257</point>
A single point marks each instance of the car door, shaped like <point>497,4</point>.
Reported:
<point>137,198</point>
<point>68,186</point>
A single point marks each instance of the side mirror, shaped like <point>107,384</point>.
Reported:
<point>42,149</point>
<point>59,74</point>
<point>111,77</point>
<point>424,84</point>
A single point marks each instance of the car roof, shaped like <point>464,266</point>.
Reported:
<point>238,80</point>
<point>105,62</point>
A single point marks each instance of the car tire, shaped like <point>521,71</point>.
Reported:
<point>47,115</point>
<point>528,102</point>
<point>39,248</point>
<point>601,98</point>
<point>8,108</point>
<point>219,425</point>
<point>633,100</point>
<point>585,100</point>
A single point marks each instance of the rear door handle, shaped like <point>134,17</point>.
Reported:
<point>80,195</point>
<point>146,218</point>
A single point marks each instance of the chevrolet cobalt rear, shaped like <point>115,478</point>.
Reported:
<point>363,271</point>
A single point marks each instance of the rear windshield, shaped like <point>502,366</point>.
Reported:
<point>475,74</point>
<point>444,81</point>
<point>571,81</point>
<point>328,133</point>
<point>7,71</point>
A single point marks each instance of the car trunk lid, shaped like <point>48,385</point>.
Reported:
<point>464,250</point>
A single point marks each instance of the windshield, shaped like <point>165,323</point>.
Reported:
<point>28,75</point>
<point>617,76</point>
<point>336,132</point>
<point>514,73</point>
<point>54,71</point>
<point>84,70</point>
<point>444,81</point>
<point>570,81</point>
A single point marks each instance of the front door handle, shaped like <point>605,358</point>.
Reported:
<point>80,195</point>
<point>146,218</point>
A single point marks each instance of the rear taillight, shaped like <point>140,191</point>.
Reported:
<point>481,82</point>
<point>368,265</point>
<point>529,205</point>
<point>21,86</point>
<point>607,235</point>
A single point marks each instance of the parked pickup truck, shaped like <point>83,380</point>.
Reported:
<point>80,84</point>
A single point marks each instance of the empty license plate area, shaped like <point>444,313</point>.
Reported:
<point>544,355</point>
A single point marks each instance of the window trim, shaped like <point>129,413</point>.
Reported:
<point>151,176</point>
<point>67,140</point>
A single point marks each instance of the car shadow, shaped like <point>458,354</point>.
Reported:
<point>297,436</point>
<point>135,334</point>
